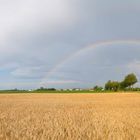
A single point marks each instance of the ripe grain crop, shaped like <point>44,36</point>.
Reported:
<point>70,116</point>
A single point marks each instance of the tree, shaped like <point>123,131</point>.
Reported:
<point>129,81</point>
<point>115,85</point>
<point>112,85</point>
<point>97,88</point>
<point>108,85</point>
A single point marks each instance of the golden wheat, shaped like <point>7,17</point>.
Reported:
<point>70,116</point>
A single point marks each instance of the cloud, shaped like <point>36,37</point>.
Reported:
<point>37,35</point>
<point>57,82</point>
<point>25,26</point>
<point>17,17</point>
<point>28,72</point>
<point>20,85</point>
<point>97,65</point>
<point>28,29</point>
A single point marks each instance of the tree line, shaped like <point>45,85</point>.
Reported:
<point>127,83</point>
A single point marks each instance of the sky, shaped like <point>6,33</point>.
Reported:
<point>68,43</point>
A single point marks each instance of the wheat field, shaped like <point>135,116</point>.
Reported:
<point>70,116</point>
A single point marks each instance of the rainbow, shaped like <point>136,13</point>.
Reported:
<point>83,51</point>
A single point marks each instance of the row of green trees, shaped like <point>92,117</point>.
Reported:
<point>127,83</point>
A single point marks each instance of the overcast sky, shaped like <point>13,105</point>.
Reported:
<point>68,43</point>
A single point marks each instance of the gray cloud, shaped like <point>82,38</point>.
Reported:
<point>37,35</point>
<point>101,64</point>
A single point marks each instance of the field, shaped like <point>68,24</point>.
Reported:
<point>70,116</point>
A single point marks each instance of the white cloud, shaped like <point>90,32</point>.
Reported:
<point>22,20</point>
<point>18,16</point>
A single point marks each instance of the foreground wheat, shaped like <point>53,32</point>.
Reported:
<point>70,117</point>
